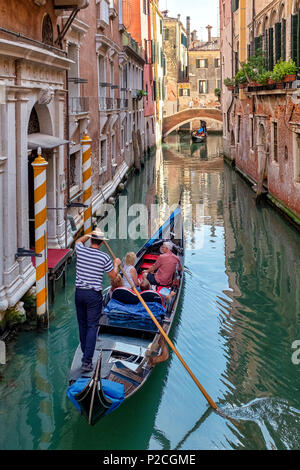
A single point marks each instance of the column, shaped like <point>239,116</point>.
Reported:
<point>11,266</point>
<point>22,178</point>
<point>3,300</point>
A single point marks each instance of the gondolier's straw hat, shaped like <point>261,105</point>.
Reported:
<point>97,234</point>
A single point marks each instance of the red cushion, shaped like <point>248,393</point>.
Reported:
<point>152,257</point>
<point>146,265</point>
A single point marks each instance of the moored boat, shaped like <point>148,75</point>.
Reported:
<point>129,344</point>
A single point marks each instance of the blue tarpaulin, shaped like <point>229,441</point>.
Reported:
<point>112,390</point>
<point>134,315</point>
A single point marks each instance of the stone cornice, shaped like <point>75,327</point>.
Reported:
<point>19,50</point>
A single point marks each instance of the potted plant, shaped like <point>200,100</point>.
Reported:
<point>277,75</point>
<point>140,94</point>
<point>289,69</point>
<point>241,78</point>
<point>229,83</point>
<point>218,93</point>
<point>262,79</point>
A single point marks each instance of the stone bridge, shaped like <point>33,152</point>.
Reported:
<point>170,123</point>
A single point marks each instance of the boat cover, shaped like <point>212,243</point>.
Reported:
<point>134,315</point>
<point>112,390</point>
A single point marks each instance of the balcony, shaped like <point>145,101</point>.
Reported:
<point>112,104</point>
<point>132,44</point>
<point>103,14</point>
<point>70,4</point>
<point>78,105</point>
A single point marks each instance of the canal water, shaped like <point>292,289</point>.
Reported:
<point>236,326</point>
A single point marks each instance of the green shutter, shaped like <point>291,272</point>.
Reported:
<point>197,63</point>
<point>294,36</point>
<point>283,39</point>
<point>153,51</point>
<point>277,41</point>
<point>298,40</point>
<point>271,49</point>
<point>266,48</point>
<point>234,5</point>
<point>206,63</point>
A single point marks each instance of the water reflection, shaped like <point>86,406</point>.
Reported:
<point>238,316</point>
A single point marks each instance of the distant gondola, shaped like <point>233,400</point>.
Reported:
<point>128,343</point>
<point>198,137</point>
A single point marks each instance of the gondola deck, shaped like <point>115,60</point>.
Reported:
<point>127,350</point>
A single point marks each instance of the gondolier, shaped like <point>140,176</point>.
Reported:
<point>90,266</point>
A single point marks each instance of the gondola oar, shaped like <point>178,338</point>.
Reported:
<point>203,391</point>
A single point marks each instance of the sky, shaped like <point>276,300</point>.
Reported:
<point>207,12</point>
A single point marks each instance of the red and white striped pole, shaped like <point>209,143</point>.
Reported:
<point>87,182</point>
<point>40,224</point>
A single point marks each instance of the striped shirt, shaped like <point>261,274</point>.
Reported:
<point>90,266</point>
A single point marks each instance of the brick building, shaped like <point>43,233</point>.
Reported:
<point>262,126</point>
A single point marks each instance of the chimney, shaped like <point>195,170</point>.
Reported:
<point>165,13</point>
<point>208,33</point>
<point>178,16</point>
<point>188,30</point>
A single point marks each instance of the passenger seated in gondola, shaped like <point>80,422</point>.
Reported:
<point>130,270</point>
<point>164,267</point>
<point>145,285</point>
<point>115,283</point>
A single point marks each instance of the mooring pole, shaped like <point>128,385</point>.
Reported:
<point>87,182</point>
<point>40,225</point>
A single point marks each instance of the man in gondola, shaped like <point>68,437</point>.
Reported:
<point>91,264</point>
<point>165,267</point>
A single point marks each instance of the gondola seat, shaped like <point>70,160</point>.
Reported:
<point>127,296</point>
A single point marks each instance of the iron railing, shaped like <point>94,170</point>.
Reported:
<point>78,104</point>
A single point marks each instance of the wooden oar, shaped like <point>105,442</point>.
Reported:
<point>203,391</point>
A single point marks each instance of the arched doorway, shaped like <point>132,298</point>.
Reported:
<point>33,127</point>
<point>39,125</point>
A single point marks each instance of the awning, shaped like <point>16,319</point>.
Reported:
<point>44,141</point>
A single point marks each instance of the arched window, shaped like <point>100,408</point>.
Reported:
<point>47,31</point>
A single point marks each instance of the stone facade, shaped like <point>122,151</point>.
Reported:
<point>204,72</point>
<point>175,47</point>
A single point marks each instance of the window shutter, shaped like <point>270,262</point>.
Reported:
<point>277,41</point>
<point>298,39</point>
<point>271,49</point>
<point>154,90</point>
<point>257,44</point>
<point>180,92</point>
<point>153,51</point>
<point>197,63</point>
<point>283,38</point>
<point>206,86</point>
<point>266,48</point>
<point>206,63</point>
<point>294,36</point>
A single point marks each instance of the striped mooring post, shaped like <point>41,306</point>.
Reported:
<point>87,182</point>
<point>40,225</point>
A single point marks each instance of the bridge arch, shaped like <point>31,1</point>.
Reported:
<point>170,123</point>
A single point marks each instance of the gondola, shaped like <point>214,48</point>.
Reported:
<point>197,137</point>
<point>129,344</point>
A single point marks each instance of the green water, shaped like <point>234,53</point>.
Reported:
<point>237,320</point>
